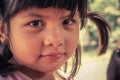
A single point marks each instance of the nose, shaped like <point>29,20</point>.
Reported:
<point>53,38</point>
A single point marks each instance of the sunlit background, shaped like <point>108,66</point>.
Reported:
<point>94,67</point>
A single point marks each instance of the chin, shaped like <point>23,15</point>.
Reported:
<point>47,70</point>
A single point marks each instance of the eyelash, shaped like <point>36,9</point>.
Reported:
<point>40,24</point>
<point>68,22</point>
<point>36,24</point>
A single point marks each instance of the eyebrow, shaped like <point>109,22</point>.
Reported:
<point>42,16</point>
<point>69,16</point>
<point>36,15</point>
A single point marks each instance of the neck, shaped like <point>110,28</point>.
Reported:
<point>35,75</point>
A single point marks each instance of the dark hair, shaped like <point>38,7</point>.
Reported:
<point>9,8</point>
<point>113,71</point>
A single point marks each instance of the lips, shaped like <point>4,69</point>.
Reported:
<point>53,56</point>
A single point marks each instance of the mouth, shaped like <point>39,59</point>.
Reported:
<point>53,56</point>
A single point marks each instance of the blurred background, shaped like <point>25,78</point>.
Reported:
<point>94,67</point>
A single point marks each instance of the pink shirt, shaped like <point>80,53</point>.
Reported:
<point>17,75</point>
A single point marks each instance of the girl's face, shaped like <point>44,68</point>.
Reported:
<point>43,39</point>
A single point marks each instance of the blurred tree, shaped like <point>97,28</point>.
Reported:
<point>110,9</point>
<point>119,4</point>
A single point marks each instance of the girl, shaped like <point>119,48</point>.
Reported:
<point>39,36</point>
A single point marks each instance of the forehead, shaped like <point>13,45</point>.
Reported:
<point>66,4</point>
<point>44,12</point>
<point>17,5</point>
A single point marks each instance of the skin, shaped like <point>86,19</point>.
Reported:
<point>42,39</point>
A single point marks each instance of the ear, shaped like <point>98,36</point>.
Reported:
<point>3,34</point>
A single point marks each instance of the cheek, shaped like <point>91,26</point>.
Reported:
<point>25,50</point>
<point>72,42</point>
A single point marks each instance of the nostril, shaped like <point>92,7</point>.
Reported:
<point>55,42</point>
<point>53,37</point>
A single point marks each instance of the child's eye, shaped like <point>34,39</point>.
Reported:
<point>36,23</point>
<point>67,22</point>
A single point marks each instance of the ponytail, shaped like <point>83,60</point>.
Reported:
<point>5,53</point>
<point>103,28</point>
<point>5,56</point>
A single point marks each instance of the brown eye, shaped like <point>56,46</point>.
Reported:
<point>36,23</point>
<point>68,22</point>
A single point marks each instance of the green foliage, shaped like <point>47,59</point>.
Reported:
<point>115,37</point>
<point>110,10</point>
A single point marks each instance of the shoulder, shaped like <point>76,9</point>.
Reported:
<point>2,78</point>
<point>64,76</point>
<point>15,76</point>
